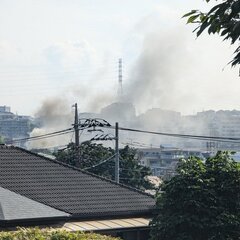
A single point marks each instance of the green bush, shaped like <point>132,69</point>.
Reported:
<point>50,234</point>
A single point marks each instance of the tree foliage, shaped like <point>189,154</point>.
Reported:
<point>202,202</point>
<point>100,160</point>
<point>222,19</point>
<point>50,234</point>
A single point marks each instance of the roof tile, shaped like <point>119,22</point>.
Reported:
<point>68,189</point>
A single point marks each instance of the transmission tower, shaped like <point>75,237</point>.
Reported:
<point>120,88</point>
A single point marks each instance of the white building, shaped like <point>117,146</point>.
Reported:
<point>163,161</point>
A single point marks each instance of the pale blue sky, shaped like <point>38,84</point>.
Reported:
<point>70,48</point>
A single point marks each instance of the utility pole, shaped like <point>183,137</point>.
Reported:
<point>76,126</point>
<point>117,154</point>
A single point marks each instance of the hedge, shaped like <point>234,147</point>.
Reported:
<point>50,234</point>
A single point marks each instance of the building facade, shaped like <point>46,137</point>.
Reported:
<point>163,161</point>
<point>13,126</point>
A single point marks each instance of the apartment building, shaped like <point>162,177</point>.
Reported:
<point>13,126</point>
<point>163,160</point>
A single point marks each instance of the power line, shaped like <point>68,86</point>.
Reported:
<point>100,162</point>
<point>196,137</point>
<point>135,144</point>
<point>112,164</point>
<point>61,132</point>
<point>48,70</point>
<point>52,147</point>
<point>47,135</point>
<point>54,135</point>
<point>132,170</point>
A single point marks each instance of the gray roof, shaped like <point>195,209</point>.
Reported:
<point>68,189</point>
<point>15,207</point>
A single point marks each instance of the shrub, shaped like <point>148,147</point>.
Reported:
<point>50,234</point>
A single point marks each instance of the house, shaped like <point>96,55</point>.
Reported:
<point>38,191</point>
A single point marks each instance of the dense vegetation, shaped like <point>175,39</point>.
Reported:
<point>202,202</point>
<point>37,234</point>
<point>92,157</point>
<point>222,19</point>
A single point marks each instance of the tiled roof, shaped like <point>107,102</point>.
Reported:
<point>16,207</point>
<point>68,189</point>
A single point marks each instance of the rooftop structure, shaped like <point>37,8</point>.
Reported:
<point>35,182</point>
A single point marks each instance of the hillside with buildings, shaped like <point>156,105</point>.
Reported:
<point>223,123</point>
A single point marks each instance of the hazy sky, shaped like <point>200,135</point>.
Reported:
<point>68,49</point>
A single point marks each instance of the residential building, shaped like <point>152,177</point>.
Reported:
<point>38,191</point>
<point>163,161</point>
<point>13,126</point>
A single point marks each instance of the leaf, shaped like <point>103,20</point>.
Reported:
<point>202,28</point>
<point>192,18</point>
<point>222,19</point>
<point>215,8</point>
<point>237,28</point>
<point>203,17</point>
<point>224,32</point>
<point>235,8</point>
<point>189,14</point>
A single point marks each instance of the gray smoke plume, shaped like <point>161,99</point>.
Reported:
<point>154,80</point>
<point>171,75</point>
<point>54,114</point>
<point>176,72</point>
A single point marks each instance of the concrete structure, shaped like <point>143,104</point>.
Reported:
<point>4,109</point>
<point>13,126</point>
<point>163,161</point>
<point>221,124</point>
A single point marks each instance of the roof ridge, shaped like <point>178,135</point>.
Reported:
<point>81,170</point>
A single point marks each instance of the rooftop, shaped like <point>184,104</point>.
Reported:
<point>68,189</point>
<point>15,207</point>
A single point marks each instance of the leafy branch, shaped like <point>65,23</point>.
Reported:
<point>222,19</point>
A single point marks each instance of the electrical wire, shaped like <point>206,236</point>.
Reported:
<point>47,135</point>
<point>100,163</point>
<point>38,68</point>
<point>195,137</point>
<point>52,147</point>
<point>135,143</point>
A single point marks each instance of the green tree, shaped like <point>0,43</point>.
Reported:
<point>202,202</point>
<point>222,19</point>
<point>99,160</point>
